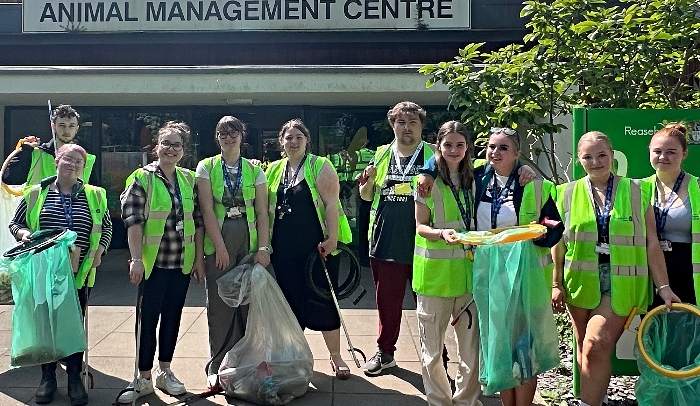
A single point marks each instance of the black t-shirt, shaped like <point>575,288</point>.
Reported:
<point>394,233</point>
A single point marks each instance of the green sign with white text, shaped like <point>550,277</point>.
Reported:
<point>630,132</point>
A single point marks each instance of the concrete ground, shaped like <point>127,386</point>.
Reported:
<point>111,352</point>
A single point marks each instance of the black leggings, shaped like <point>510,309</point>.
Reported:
<point>164,295</point>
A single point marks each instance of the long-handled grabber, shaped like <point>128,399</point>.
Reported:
<point>88,380</point>
<point>139,302</point>
<point>351,349</point>
<point>464,308</point>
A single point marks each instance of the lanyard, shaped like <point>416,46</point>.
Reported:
<point>662,214</point>
<point>233,188</point>
<point>180,211</point>
<point>290,182</point>
<point>405,170</point>
<point>67,204</point>
<point>603,218</point>
<point>464,211</point>
<point>498,196</point>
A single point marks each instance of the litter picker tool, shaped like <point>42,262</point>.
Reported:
<point>351,348</point>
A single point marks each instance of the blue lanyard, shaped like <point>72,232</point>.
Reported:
<point>67,204</point>
<point>661,215</point>
<point>498,196</point>
<point>603,219</point>
<point>233,188</point>
<point>179,211</point>
<point>290,182</point>
<point>465,212</point>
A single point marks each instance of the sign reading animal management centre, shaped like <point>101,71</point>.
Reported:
<point>244,15</point>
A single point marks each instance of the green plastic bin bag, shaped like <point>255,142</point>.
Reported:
<point>671,343</point>
<point>518,334</point>
<point>47,321</point>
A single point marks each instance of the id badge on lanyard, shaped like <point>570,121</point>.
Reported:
<point>404,188</point>
<point>662,214</point>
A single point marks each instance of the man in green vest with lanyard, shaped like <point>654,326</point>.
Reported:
<point>34,162</point>
<point>387,183</point>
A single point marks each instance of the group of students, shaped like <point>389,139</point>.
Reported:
<point>605,257</point>
<point>182,223</point>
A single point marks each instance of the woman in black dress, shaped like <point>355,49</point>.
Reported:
<point>302,188</point>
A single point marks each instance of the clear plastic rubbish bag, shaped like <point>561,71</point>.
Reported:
<point>272,364</point>
<point>518,334</point>
<point>234,286</point>
<point>671,342</point>
<point>47,323</point>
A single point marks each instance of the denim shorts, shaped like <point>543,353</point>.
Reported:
<point>604,276</point>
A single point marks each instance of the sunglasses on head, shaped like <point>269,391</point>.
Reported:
<point>505,130</point>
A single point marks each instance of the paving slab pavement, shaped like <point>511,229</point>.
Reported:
<point>111,352</point>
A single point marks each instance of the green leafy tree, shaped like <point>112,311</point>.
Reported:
<point>637,54</point>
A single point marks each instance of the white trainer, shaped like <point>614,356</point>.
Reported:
<point>167,382</point>
<point>139,387</point>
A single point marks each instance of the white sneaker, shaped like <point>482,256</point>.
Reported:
<point>167,382</point>
<point>139,387</point>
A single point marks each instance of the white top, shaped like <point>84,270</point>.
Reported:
<point>506,216</point>
<point>203,173</point>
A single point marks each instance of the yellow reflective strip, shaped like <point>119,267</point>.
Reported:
<point>457,225</point>
<point>458,253</point>
<point>695,238</point>
<point>628,240</point>
<point>584,236</point>
<point>622,270</point>
<point>438,207</point>
<point>545,260</point>
<point>589,266</point>
<point>696,268</point>
<point>152,240</point>
<point>158,215</point>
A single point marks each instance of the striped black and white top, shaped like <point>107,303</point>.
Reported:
<point>53,216</point>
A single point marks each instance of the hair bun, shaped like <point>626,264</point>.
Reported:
<point>678,126</point>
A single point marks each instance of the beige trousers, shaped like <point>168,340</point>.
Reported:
<point>434,314</point>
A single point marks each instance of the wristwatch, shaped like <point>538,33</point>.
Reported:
<point>265,248</point>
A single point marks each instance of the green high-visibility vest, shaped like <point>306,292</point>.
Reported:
<point>440,269</point>
<point>158,206</point>
<point>382,158</point>
<point>44,165</point>
<point>364,157</point>
<point>535,196</point>
<point>312,167</point>
<point>629,272</point>
<point>649,185</point>
<point>216,176</point>
<point>97,204</point>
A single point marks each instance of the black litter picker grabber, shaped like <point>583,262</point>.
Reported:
<point>346,289</point>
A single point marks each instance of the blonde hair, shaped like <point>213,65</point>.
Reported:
<point>593,136</point>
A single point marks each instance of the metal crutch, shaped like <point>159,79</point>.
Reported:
<point>351,349</point>
<point>88,380</point>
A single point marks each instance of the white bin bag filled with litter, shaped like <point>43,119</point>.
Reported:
<point>272,364</point>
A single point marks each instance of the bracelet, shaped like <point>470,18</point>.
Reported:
<point>265,248</point>
<point>661,287</point>
<point>136,260</point>
<point>442,234</point>
<point>557,285</point>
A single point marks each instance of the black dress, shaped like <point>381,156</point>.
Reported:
<point>294,238</point>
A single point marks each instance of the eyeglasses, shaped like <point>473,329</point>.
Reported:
<point>505,130</point>
<point>224,134</point>
<point>74,162</point>
<point>175,146</point>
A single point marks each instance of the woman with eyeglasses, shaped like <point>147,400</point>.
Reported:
<point>305,215</point>
<point>500,201</point>
<point>604,265</point>
<point>232,196</point>
<point>159,209</point>
<point>65,201</point>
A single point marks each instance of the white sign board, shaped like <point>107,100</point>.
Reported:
<point>244,15</point>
